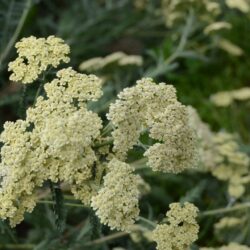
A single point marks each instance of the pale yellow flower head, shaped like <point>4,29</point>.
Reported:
<point>55,143</point>
<point>217,26</point>
<point>35,55</point>
<point>231,165</point>
<point>118,58</point>
<point>116,203</point>
<point>228,222</point>
<point>242,5</point>
<point>181,229</point>
<point>226,98</point>
<point>205,139</point>
<point>154,107</point>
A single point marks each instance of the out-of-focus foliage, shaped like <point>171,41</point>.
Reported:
<point>201,47</point>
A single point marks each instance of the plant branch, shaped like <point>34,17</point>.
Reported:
<point>245,205</point>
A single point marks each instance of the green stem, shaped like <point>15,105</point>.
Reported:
<point>225,210</point>
<point>58,205</point>
<point>38,92</point>
<point>114,236</point>
<point>149,222</point>
<point>69,204</point>
<point>140,164</point>
<point>16,33</point>
<point>108,128</point>
<point>22,102</point>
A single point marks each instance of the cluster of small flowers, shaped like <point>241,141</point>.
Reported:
<point>181,229</point>
<point>242,5</point>
<point>220,153</point>
<point>53,143</point>
<point>176,10</point>
<point>232,165</point>
<point>35,55</point>
<point>205,139</point>
<point>119,58</point>
<point>228,222</point>
<point>120,188</point>
<point>226,98</point>
<point>209,13</point>
<point>57,139</point>
<point>154,107</point>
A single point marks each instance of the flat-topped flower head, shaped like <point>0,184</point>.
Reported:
<point>181,229</point>
<point>35,55</point>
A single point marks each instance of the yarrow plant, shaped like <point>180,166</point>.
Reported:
<point>61,141</point>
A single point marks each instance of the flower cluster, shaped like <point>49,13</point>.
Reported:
<point>35,55</point>
<point>119,58</point>
<point>228,222</point>
<point>226,98</point>
<point>149,106</point>
<point>53,143</point>
<point>232,165</point>
<point>207,154</point>
<point>181,229</point>
<point>175,11</point>
<point>58,140</point>
<point>220,153</point>
<point>116,203</point>
<point>242,5</point>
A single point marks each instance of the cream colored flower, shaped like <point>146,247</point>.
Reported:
<point>217,26</point>
<point>242,5</point>
<point>35,55</point>
<point>55,143</point>
<point>222,99</point>
<point>118,58</point>
<point>228,222</point>
<point>181,229</point>
<point>225,98</point>
<point>229,47</point>
<point>154,107</point>
<point>116,203</point>
<point>207,154</point>
<point>232,165</point>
